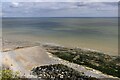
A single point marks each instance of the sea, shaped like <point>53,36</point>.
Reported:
<point>99,34</point>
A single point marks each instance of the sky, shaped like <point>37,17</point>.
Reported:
<point>35,8</point>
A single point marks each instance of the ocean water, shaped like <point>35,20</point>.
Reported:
<point>93,33</point>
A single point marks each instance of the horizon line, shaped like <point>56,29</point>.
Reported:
<point>59,17</point>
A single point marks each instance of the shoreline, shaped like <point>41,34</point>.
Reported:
<point>80,68</point>
<point>38,43</point>
<point>20,48</point>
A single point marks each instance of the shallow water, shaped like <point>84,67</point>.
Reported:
<point>94,33</point>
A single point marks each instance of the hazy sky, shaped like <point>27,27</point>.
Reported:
<point>60,9</point>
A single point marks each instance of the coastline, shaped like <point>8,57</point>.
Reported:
<point>9,45</point>
<point>21,48</point>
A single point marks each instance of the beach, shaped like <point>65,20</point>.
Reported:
<point>23,56</point>
<point>23,40</point>
<point>59,40</point>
